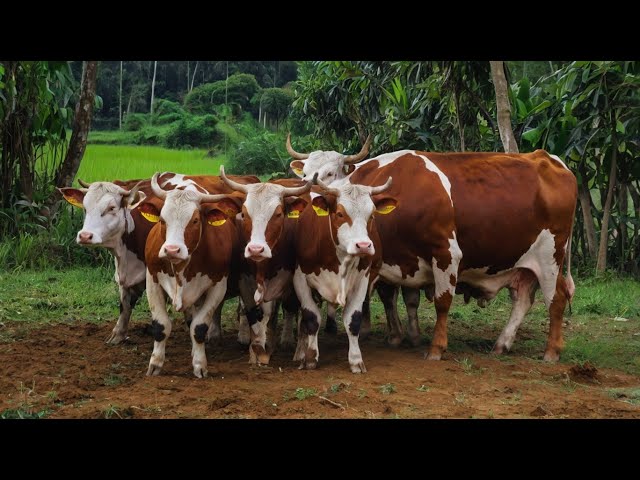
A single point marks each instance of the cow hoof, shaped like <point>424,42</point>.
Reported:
<point>154,370</point>
<point>434,354</point>
<point>264,359</point>
<point>551,356</point>
<point>199,371</point>
<point>498,349</point>
<point>244,338</point>
<point>308,365</point>
<point>358,368</point>
<point>116,338</point>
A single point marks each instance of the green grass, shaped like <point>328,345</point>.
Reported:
<point>123,162</point>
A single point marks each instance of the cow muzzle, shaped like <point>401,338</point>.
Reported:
<point>86,238</point>
<point>362,248</point>
<point>173,253</point>
<point>257,252</point>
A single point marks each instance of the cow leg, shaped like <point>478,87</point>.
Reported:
<point>555,342</point>
<point>201,323</point>
<point>290,306</point>
<point>445,286</point>
<point>244,336</point>
<point>258,331</point>
<point>365,328</point>
<point>307,350</point>
<point>389,296</point>
<point>331,327</point>
<point>523,291</point>
<point>411,297</point>
<point>352,317</point>
<point>272,327</point>
<point>128,298</point>
<point>160,325</point>
<point>214,335</point>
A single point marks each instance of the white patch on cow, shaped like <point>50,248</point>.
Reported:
<point>328,165</point>
<point>261,202</point>
<point>185,295</point>
<point>130,270</point>
<point>177,211</point>
<point>178,180</point>
<point>443,178</point>
<point>357,203</point>
<point>557,159</point>
<point>539,259</point>
<point>336,287</point>
<point>423,276</point>
<point>442,278</point>
<point>105,218</point>
<point>386,158</point>
<point>520,307</point>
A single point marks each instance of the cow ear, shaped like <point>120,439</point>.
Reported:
<point>230,206</point>
<point>320,206</point>
<point>385,205</point>
<point>348,169</point>
<point>294,206</point>
<point>137,199</point>
<point>216,217</point>
<point>150,212</point>
<point>75,196</point>
<point>297,166</point>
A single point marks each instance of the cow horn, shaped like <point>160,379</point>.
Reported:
<point>361,154</point>
<point>293,153</point>
<point>83,183</point>
<point>327,188</point>
<point>209,198</point>
<point>231,184</point>
<point>157,191</point>
<point>290,191</point>
<point>380,188</point>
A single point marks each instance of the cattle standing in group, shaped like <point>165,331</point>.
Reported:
<point>508,219</point>
<point>117,218</point>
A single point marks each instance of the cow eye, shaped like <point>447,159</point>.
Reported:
<point>329,174</point>
<point>242,215</point>
<point>278,215</point>
<point>339,214</point>
<point>195,220</point>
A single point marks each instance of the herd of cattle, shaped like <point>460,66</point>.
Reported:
<point>446,223</point>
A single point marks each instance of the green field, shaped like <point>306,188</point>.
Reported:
<point>124,162</point>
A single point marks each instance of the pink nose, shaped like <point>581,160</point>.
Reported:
<point>255,249</point>
<point>171,249</point>
<point>85,237</point>
<point>363,245</point>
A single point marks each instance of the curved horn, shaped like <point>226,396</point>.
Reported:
<point>231,184</point>
<point>209,198</point>
<point>157,191</point>
<point>361,154</point>
<point>290,191</point>
<point>293,153</point>
<point>327,188</point>
<point>133,191</point>
<point>380,188</point>
<point>83,183</point>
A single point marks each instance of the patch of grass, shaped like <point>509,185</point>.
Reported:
<point>387,388</point>
<point>423,388</point>
<point>460,398</point>
<point>466,365</point>
<point>113,380</point>
<point>112,411</point>
<point>300,393</point>
<point>629,395</point>
<point>23,414</point>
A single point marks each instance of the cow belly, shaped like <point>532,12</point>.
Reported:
<point>393,274</point>
<point>487,284</point>
<point>333,287</point>
<point>184,294</point>
<point>130,270</point>
<point>276,286</point>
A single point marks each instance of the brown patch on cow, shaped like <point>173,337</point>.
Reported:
<point>193,231</point>
<point>453,279</point>
<point>275,225</point>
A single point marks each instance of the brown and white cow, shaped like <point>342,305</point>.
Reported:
<point>189,256</point>
<point>114,220</point>
<point>513,218</point>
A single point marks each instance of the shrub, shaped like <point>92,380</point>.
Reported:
<point>262,154</point>
<point>135,121</point>
<point>168,118</point>
<point>193,131</point>
<point>239,90</point>
<point>162,107</point>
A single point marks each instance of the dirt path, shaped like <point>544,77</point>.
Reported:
<point>68,370</point>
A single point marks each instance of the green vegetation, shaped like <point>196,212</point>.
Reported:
<point>387,389</point>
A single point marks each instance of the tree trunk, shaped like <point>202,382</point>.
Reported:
<point>193,79</point>
<point>601,265</point>
<point>120,100</point>
<point>635,252</point>
<point>623,205</point>
<point>585,202</point>
<point>456,100</point>
<point>81,125</point>
<point>153,90</point>
<point>503,107</point>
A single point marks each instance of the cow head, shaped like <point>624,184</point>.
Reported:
<point>184,215</point>
<point>106,206</point>
<point>351,208</point>
<point>264,212</point>
<point>329,166</point>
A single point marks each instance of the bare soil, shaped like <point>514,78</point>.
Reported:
<point>67,370</point>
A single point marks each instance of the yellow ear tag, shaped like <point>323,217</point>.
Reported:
<point>217,223</point>
<point>386,209</point>
<point>150,217</point>
<point>298,171</point>
<point>293,214</point>
<point>321,212</point>
<point>74,202</point>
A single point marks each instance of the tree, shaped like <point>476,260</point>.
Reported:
<point>153,86</point>
<point>503,107</point>
<point>120,100</point>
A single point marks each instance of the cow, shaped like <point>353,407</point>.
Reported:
<point>113,220</point>
<point>189,256</point>
<point>513,224</point>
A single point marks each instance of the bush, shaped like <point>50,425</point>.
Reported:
<point>193,131</point>
<point>239,90</point>
<point>162,107</point>
<point>135,121</point>
<point>168,118</point>
<point>149,135</point>
<point>263,154</point>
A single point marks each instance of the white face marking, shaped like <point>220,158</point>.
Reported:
<point>357,203</point>
<point>328,165</point>
<point>104,216</point>
<point>177,212</point>
<point>261,203</point>
<point>557,159</point>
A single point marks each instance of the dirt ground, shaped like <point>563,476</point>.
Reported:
<point>68,371</point>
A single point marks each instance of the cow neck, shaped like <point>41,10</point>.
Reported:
<point>119,250</point>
